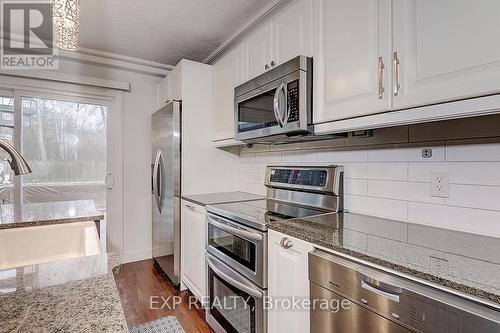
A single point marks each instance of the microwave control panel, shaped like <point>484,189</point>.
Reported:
<point>293,101</point>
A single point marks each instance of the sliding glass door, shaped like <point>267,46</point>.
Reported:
<point>6,134</point>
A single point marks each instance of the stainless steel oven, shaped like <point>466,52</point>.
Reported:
<point>275,104</point>
<point>236,305</point>
<point>241,247</point>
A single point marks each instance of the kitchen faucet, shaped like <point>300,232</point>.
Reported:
<point>18,163</point>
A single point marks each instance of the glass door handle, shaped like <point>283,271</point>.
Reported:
<point>109,181</point>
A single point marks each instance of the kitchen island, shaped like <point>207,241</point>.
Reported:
<point>71,295</point>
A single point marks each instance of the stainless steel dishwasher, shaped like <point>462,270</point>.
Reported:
<point>378,302</point>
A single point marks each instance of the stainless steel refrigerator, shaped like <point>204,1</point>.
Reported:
<point>166,188</point>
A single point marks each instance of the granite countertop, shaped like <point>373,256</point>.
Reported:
<point>71,295</point>
<point>222,197</point>
<point>458,261</point>
<point>44,213</point>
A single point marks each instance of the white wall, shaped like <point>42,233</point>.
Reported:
<point>393,180</point>
<point>139,103</point>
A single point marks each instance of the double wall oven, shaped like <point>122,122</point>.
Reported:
<point>236,242</point>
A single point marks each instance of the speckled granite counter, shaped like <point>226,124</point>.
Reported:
<point>73,295</point>
<point>459,261</point>
<point>44,213</point>
<point>222,197</point>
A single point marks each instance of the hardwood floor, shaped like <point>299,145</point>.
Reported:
<point>147,294</point>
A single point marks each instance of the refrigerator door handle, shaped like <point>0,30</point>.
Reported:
<point>156,180</point>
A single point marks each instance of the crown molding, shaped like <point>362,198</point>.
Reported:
<point>240,35</point>
<point>116,61</point>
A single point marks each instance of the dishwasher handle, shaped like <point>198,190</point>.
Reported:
<point>380,288</point>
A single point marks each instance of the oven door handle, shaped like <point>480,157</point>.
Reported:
<point>243,287</point>
<point>276,104</point>
<point>235,231</point>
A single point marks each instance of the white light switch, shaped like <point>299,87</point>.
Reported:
<point>440,184</point>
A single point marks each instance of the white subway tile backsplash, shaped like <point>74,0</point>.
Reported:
<point>419,192</point>
<point>471,220</point>
<point>473,150</point>
<point>339,156</point>
<point>355,186</point>
<point>483,197</point>
<point>393,181</point>
<point>388,208</point>
<point>299,157</point>
<point>474,173</point>
<point>382,171</point>
<point>405,153</point>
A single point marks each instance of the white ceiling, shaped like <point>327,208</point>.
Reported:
<point>164,30</point>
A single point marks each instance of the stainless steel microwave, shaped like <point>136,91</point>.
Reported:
<point>276,104</point>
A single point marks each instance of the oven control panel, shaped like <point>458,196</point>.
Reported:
<point>293,101</point>
<point>308,177</point>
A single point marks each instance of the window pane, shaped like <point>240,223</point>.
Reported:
<point>64,142</point>
<point>6,133</point>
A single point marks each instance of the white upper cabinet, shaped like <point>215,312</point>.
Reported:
<point>257,52</point>
<point>228,73</point>
<point>352,67</point>
<point>292,32</point>
<point>163,92</point>
<point>285,36</point>
<point>447,50</point>
<point>175,83</point>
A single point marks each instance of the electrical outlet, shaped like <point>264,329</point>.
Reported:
<point>440,184</point>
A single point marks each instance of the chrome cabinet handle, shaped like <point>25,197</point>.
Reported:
<point>286,243</point>
<point>273,63</point>
<point>190,206</point>
<point>380,72</point>
<point>266,67</point>
<point>395,73</point>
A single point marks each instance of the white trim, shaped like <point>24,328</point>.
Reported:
<point>137,255</point>
<point>241,34</point>
<point>112,60</point>
<point>69,78</point>
<point>451,110</point>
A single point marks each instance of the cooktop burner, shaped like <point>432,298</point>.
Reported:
<point>258,213</point>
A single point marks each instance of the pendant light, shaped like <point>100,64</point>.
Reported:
<point>66,18</point>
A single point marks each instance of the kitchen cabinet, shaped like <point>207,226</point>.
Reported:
<point>447,50</point>
<point>163,92</point>
<point>352,53</point>
<point>193,248</point>
<point>288,277</point>
<point>227,74</point>
<point>175,82</point>
<point>287,35</point>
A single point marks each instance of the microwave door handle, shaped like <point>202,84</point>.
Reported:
<point>249,290</point>
<point>276,105</point>
<point>284,107</point>
<point>237,232</point>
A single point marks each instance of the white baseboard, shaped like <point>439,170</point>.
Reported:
<point>137,255</point>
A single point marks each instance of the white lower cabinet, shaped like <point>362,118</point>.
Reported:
<point>193,248</point>
<point>287,279</point>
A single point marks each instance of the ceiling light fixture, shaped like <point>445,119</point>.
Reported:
<point>66,18</point>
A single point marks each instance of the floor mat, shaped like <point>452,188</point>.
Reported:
<point>163,325</point>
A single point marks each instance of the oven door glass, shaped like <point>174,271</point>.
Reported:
<point>257,112</point>
<point>232,308</point>
<point>241,250</point>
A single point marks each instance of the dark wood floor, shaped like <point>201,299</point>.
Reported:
<point>139,281</point>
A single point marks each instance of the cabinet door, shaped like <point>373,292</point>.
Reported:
<point>257,52</point>
<point>193,248</point>
<point>447,50</point>
<point>228,73</point>
<point>288,277</point>
<point>292,32</point>
<point>351,43</point>
<point>163,93</point>
<point>175,83</point>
